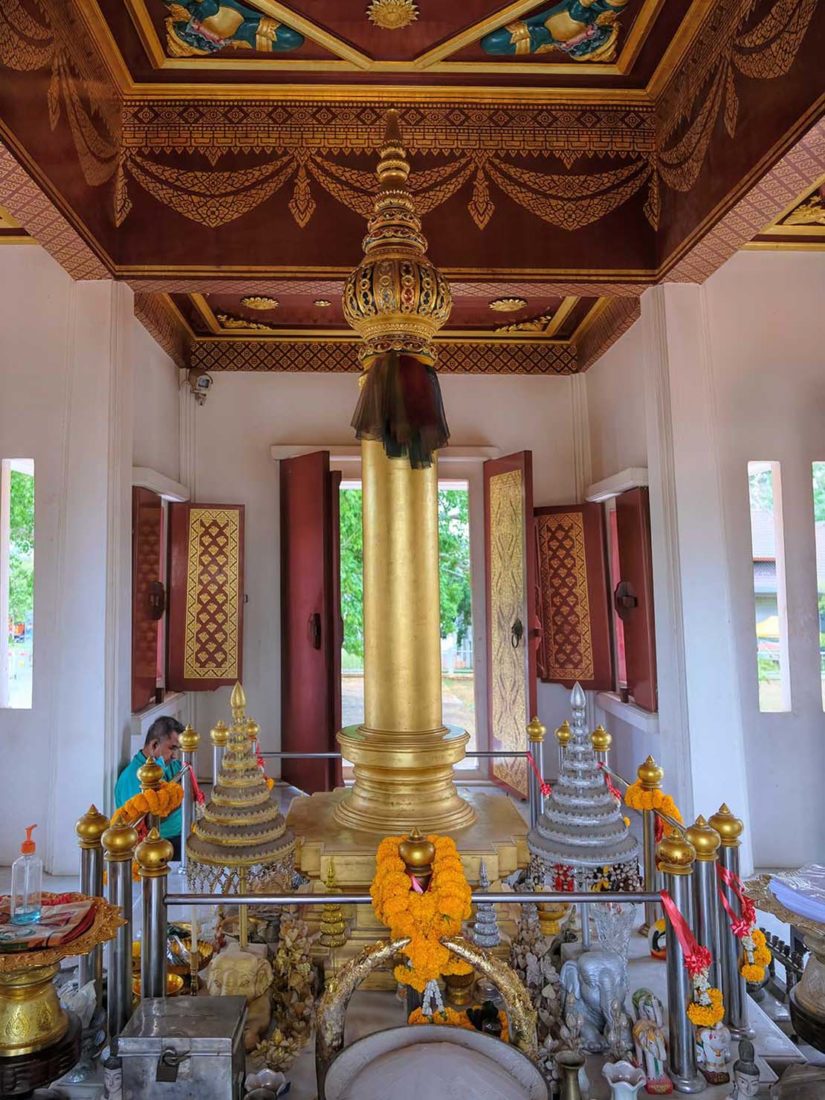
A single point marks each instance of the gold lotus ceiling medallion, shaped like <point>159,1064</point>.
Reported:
<point>322,303</point>
<point>391,15</point>
<point>507,305</point>
<point>258,302</point>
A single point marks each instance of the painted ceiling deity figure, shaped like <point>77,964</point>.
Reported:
<point>197,28</point>
<point>586,30</point>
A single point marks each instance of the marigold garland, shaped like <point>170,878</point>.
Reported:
<point>637,798</point>
<point>161,802</point>
<point>424,919</point>
<point>757,956</point>
<point>707,1015</point>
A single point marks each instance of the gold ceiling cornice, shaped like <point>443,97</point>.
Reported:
<point>131,89</point>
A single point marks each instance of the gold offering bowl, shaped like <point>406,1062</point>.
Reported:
<point>31,1017</point>
<point>174,985</point>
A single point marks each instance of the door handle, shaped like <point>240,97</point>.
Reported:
<point>314,630</point>
<point>156,600</point>
<point>516,633</point>
<point>624,599</point>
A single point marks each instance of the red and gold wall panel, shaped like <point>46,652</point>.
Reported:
<point>205,596</point>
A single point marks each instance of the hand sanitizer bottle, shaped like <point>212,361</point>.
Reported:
<point>26,882</point>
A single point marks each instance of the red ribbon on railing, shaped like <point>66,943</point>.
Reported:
<point>697,957</point>
<point>742,924</point>
<point>611,786</point>
<point>196,791</point>
<point>546,789</point>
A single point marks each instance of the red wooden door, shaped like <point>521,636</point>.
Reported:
<point>147,594</point>
<point>512,620</point>
<point>636,597</point>
<point>310,620</point>
<point>574,603</point>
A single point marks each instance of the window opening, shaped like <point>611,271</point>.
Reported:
<point>457,656</point>
<point>615,575</point>
<point>769,592</point>
<point>17,581</point>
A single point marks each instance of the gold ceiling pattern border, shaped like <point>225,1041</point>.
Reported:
<point>164,324</point>
<point>319,357</point>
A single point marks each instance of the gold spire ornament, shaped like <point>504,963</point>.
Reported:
<point>392,15</point>
<point>397,300</point>
<point>241,839</point>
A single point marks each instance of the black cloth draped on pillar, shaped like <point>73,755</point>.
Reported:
<point>400,406</point>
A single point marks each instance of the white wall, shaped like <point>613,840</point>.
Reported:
<point>710,378</point>
<point>767,327</point>
<point>246,413</point>
<point>156,398</point>
<point>616,407</point>
<point>65,381</point>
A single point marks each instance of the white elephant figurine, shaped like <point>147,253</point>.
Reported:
<point>713,1053</point>
<point>595,980</point>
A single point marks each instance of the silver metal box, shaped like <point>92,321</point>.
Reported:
<point>184,1048</point>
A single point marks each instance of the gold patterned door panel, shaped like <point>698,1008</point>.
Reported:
<point>510,619</point>
<point>205,596</point>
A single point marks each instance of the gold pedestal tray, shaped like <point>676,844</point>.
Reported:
<point>498,837</point>
<point>31,1017</point>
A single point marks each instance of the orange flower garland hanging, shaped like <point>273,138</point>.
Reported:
<point>161,802</point>
<point>423,917</point>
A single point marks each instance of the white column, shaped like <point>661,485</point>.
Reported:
<point>92,616</point>
<point>699,707</point>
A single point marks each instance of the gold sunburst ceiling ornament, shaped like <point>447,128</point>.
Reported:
<point>258,302</point>
<point>322,303</point>
<point>391,15</point>
<point>507,305</point>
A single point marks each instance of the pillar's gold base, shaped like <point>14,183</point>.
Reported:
<point>31,1017</point>
<point>498,837</point>
<point>402,780</point>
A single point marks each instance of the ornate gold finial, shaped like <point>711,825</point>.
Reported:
<point>219,735</point>
<point>153,855</point>
<point>237,702</point>
<point>704,839</point>
<point>91,827</point>
<point>601,739</point>
<point>675,854</point>
<point>536,731</point>
<point>189,740</point>
<point>563,733</point>
<point>418,854</point>
<point>150,775</point>
<point>252,730</point>
<point>119,843</point>
<point>650,775</point>
<point>395,299</point>
<point>728,827</point>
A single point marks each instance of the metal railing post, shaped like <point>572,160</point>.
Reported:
<point>90,828</point>
<point>189,741</point>
<point>650,777</point>
<point>153,857</point>
<point>734,988</point>
<point>676,858</point>
<point>119,846</point>
<point>150,777</point>
<point>219,736</point>
<point>706,841</point>
<point>535,732</point>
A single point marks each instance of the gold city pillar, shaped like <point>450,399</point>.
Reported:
<point>403,754</point>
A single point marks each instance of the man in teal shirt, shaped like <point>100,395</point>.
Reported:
<point>162,744</point>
